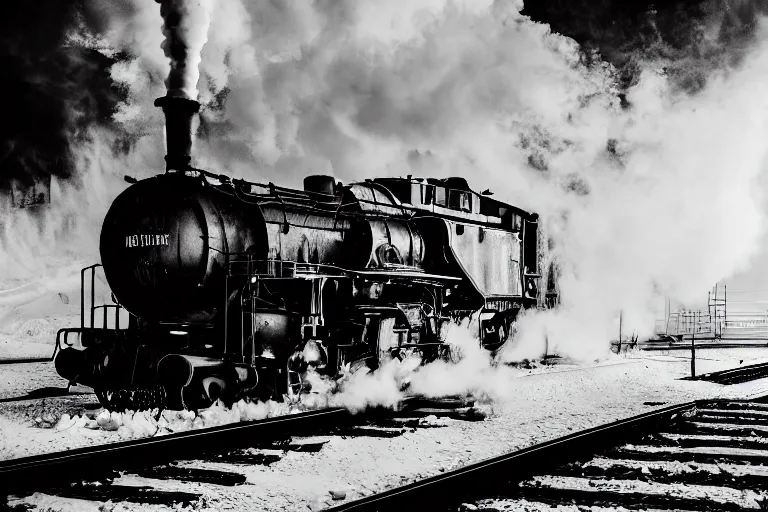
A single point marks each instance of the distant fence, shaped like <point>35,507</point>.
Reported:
<point>703,325</point>
<point>746,326</point>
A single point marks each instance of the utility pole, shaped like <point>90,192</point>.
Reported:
<point>693,351</point>
<point>725,309</point>
<point>714,324</point>
<point>621,315</point>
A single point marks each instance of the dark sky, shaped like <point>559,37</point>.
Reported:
<point>53,92</point>
<point>670,32</point>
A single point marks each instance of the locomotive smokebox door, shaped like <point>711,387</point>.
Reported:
<point>164,243</point>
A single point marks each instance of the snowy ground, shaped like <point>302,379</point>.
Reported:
<point>540,404</point>
<point>33,310</point>
<point>533,405</point>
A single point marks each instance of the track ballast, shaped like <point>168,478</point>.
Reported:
<point>699,456</point>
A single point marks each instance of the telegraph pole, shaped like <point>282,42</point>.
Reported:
<point>693,351</point>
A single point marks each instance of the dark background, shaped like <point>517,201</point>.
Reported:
<point>54,91</point>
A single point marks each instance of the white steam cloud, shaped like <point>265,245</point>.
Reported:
<point>469,372</point>
<point>352,88</point>
<point>679,210</point>
<point>186,30</point>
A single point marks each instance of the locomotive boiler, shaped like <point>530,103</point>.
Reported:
<point>238,289</point>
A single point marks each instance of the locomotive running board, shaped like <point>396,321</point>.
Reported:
<point>389,274</point>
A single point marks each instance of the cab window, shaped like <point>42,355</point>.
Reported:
<point>440,196</point>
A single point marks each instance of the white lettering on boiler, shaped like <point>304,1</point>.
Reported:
<point>147,240</point>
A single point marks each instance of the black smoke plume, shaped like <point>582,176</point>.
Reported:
<point>687,39</point>
<point>53,89</point>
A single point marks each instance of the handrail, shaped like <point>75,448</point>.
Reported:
<point>290,269</point>
<point>92,268</point>
<point>93,306</point>
<point>282,193</point>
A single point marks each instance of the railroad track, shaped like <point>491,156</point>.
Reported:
<point>99,473</point>
<point>699,456</point>
<point>686,345</point>
<point>26,360</point>
<point>39,472</point>
<point>735,375</point>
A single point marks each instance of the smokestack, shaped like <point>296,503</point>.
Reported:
<point>178,130</point>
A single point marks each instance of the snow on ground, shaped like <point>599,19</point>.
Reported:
<point>67,424</point>
<point>533,403</point>
<point>709,360</point>
<point>744,499</point>
<point>539,404</point>
<point>533,506</point>
<point>19,379</point>
<point>33,310</point>
<point>674,467</point>
<point>12,349</point>
<point>70,424</point>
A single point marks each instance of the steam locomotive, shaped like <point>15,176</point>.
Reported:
<point>239,289</point>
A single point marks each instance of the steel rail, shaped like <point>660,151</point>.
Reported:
<point>736,371</point>
<point>735,375</point>
<point>43,471</point>
<point>447,490</point>
<point>26,360</point>
<point>657,347</point>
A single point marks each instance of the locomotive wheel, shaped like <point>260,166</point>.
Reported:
<point>264,393</point>
<point>194,399</point>
<point>187,398</point>
<point>173,399</point>
<point>269,387</point>
<point>121,400</point>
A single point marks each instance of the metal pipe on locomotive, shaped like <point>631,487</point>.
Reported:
<point>238,289</point>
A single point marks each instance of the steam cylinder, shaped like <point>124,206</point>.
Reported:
<point>164,246</point>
